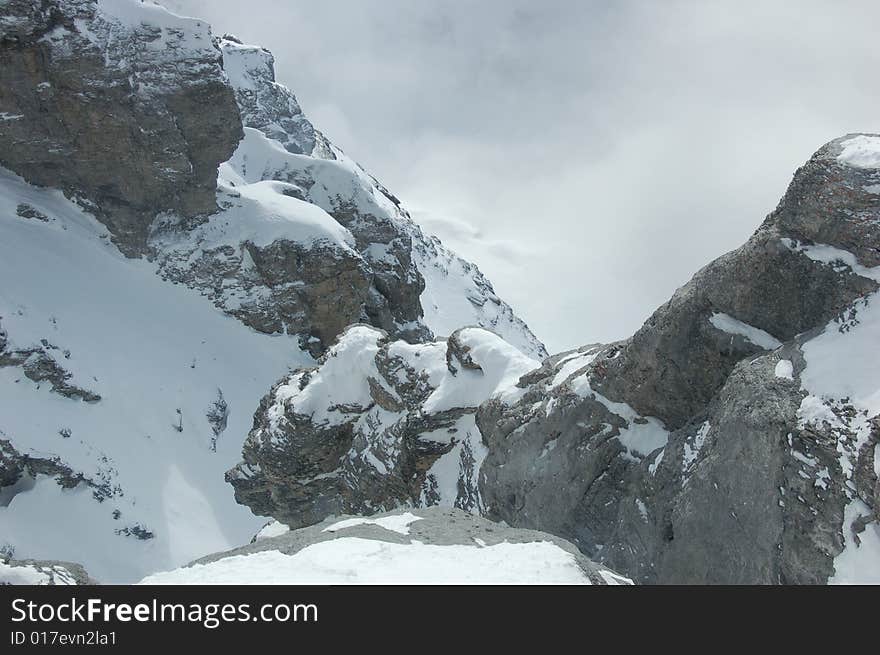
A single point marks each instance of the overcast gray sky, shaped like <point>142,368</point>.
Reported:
<point>589,156</point>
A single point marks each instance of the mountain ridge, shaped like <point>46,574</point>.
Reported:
<point>205,264</point>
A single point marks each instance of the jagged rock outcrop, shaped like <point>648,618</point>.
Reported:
<point>39,363</point>
<point>266,105</point>
<point>122,105</point>
<point>699,450</point>
<point>19,470</point>
<point>423,546</point>
<point>42,572</point>
<point>291,282</point>
<point>378,424</point>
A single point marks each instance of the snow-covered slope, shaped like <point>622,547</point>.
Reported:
<point>841,380</point>
<point>178,383</point>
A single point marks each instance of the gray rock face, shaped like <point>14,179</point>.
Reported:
<point>428,526</point>
<point>282,287</point>
<point>733,484</point>
<point>677,361</point>
<point>763,521</point>
<point>130,117</point>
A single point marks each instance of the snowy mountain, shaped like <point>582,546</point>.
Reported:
<point>148,303</point>
<point>732,439</point>
<point>209,311</point>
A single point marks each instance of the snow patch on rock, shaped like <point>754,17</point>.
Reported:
<point>843,368</point>
<point>398,523</point>
<point>757,336</point>
<point>784,369</point>
<point>862,151</point>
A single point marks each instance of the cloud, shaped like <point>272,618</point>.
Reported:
<point>588,156</point>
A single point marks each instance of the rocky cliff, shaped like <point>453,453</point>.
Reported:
<point>122,105</point>
<point>732,438</point>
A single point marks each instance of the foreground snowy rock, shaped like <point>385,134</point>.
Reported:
<point>424,546</point>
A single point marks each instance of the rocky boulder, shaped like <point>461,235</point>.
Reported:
<point>377,424</point>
